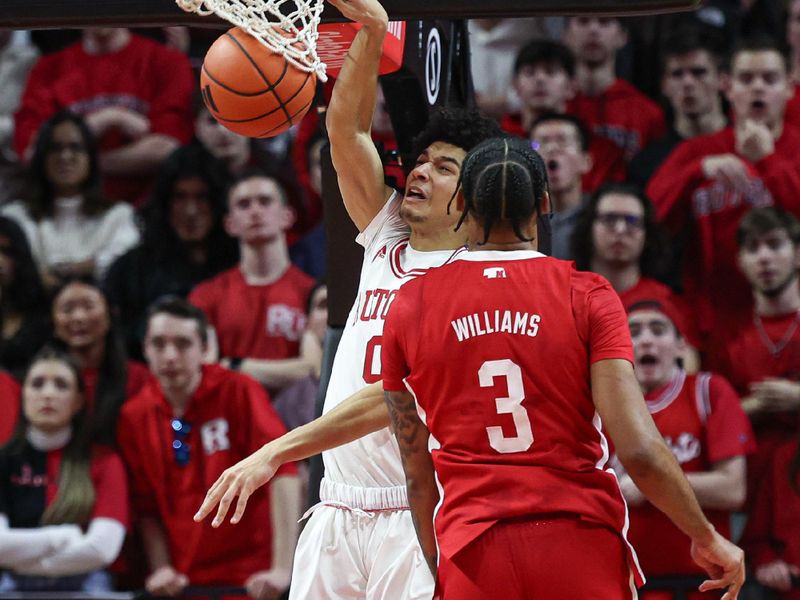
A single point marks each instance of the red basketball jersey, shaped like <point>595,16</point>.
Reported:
<point>703,423</point>
<point>501,379</point>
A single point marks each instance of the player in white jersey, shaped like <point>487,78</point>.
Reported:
<point>360,541</point>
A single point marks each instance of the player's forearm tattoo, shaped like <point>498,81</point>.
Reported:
<point>403,413</point>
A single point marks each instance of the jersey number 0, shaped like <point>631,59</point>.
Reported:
<point>509,405</point>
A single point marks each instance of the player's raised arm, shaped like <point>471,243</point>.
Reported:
<point>349,117</point>
<point>654,470</point>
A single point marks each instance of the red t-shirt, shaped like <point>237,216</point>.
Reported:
<point>791,116</point>
<point>621,114</point>
<point>9,405</point>
<point>255,321</point>
<point>702,423</point>
<point>650,289</point>
<point>773,526</point>
<point>146,77</point>
<point>501,376</point>
<point>608,162</point>
<point>230,417</point>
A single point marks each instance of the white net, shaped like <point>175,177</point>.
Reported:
<point>288,27</point>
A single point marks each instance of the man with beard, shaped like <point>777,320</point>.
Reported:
<point>562,141</point>
<point>708,183</point>
<point>610,107</point>
<point>691,81</point>
<point>760,353</point>
<point>703,424</point>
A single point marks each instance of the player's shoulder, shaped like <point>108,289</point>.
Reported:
<point>588,281</point>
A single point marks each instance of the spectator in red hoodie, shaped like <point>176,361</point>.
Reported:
<point>708,183</point>
<point>611,107</point>
<point>134,93</point>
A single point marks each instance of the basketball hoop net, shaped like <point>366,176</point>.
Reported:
<point>294,34</point>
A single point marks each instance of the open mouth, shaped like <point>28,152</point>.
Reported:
<point>415,194</point>
<point>553,165</point>
<point>647,360</point>
<point>758,105</point>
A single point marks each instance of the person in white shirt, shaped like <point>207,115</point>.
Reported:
<point>71,228</point>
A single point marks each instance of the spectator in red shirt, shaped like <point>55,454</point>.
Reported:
<point>134,93</point>
<point>705,427</point>
<point>708,183</point>
<point>177,435</point>
<point>760,352</point>
<point>63,502</point>
<point>793,40</point>
<point>617,236</point>
<point>611,108</point>
<point>82,322</point>
<point>691,80</point>
<point>544,73</point>
<point>772,536</point>
<point>563,143</point>
<point>257,309</point>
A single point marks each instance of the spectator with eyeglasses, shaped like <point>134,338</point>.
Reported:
<point>177,436</point>
<point>617,236</point>
<point>710,182</point>
<point>71,227</point>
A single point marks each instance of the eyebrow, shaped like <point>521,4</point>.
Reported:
<point>449,159</point>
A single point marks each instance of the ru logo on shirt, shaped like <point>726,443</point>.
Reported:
<point>495,273</point>
<point>214,434</point>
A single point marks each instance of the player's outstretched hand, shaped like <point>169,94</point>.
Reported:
<point>240,480</point>
<point>366,12</point>
<point>724,562</point>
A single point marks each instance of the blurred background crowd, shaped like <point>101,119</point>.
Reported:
<point>149,257</point>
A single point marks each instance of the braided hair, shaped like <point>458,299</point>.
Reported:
<point>502,179</point>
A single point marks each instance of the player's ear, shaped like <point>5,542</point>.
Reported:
<point>460,199</point>
<point>544,207</point>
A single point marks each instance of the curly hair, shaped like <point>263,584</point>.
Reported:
<point>461,127</point>
<point>502,179</point>
<point>655,257</point>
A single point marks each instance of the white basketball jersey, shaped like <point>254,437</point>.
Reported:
<point>389,262</point>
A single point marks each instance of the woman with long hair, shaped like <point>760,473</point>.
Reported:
<point>83,326</point>
<point>183,240</point>
<point>63,502</point>
<point>23,302</point>
<point>71,227</point>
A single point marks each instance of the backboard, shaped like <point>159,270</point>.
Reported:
<point>46,14</point>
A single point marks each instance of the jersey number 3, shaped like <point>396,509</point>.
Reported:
<point>509,405</point>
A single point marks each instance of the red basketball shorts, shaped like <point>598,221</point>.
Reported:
<point>561,558</point>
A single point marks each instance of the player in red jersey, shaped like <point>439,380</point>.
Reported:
<point>610,107</point>
<point>760,353</point>
<point>177,435</point>
<point>703,424</point>
<point>257,309</point>
<point>512,435</point>
<point>708,183</point>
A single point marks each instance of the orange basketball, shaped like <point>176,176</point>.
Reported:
<point>250,89</point>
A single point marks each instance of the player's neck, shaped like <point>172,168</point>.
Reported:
<point>621,277</point>
<point>592,79</point>
<point>443,239</point>
<point>787,301</point>
<point>502,238</point>
<point>264,263</point>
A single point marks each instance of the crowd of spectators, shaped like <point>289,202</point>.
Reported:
<point>149,257</point>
